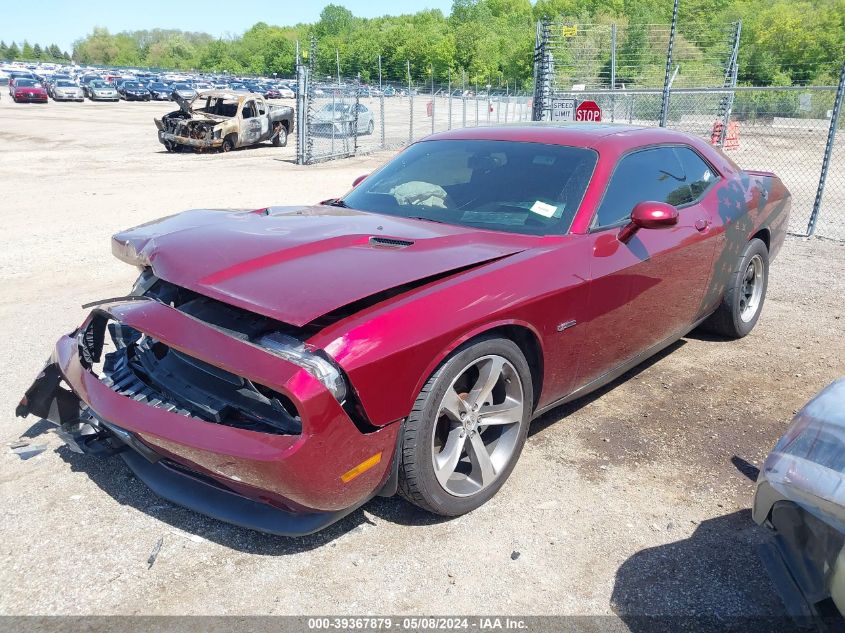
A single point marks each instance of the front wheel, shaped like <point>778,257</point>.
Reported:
<point>737,315</point>
<point>228,144</point>
<point>467,428</point>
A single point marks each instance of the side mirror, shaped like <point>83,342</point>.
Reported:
<point>649,215</point>
<point>358,180</point>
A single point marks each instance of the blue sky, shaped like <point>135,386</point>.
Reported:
<point>63,21</point>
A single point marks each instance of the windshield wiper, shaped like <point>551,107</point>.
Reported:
<point>419,217</point>
<point>338,203</point>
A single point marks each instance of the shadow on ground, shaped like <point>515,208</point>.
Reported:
<point>712,581</point>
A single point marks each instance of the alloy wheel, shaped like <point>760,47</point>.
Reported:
<point>752,289</point>
<point>478,426</point>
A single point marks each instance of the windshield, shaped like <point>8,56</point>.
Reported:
<point>64,83</point>
<point>182,87</point>
<point>27,82</point>
<point>529,188</point>
<point>158,86</point>
<point>100,84</point>
<point>221,106</point>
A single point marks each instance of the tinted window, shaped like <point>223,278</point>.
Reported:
<point>674,175</point>
<point>698,173</point>
<point>529,188</point>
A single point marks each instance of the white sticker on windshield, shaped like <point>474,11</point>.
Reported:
<point>541,208</point>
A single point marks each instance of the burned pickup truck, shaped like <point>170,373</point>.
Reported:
<point>224,120</point>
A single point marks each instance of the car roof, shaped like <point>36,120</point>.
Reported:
<point>590,135</point>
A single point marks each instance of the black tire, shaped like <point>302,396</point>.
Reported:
<point>418,482</point>
<point>280,139</point>
<point>228,144</point>
<point>727,320</point>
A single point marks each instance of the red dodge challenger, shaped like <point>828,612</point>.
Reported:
<point>277,368</point>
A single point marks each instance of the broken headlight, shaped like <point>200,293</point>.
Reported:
<point>295,351</point>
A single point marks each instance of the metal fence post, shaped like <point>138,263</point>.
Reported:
<point>612,71</point>
<point>433,94</point>
<point>730,77</point>
<point>301,113</point>
<point>410,105</point>
<point>449,97</point>
<point>381,122</point>
<point>828,150</point>
<point>542,61</point>
<point>664,106</point>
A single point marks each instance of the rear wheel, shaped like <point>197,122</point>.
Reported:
<point>467,428</point>
<point>280,137</point>
<point>370,127</point>
<point>737,315</point>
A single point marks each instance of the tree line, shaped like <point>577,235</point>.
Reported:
<point>33,52</point>
<point>490,41</point>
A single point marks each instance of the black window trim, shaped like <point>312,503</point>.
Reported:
<point>597,229</point>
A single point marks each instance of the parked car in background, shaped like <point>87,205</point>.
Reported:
<point>26,90</point>
<point>279,367</point>
<point>272,93</point>
<point>133,91</point>
<point>159,91</point>
<point>223,120</point>
<point>183,90</point>
<point>285,91</point>
<point>66,90</point>
<point>343,119</point>
<point>100,90</point>
<point>20,74</point>
<point>800,497</point>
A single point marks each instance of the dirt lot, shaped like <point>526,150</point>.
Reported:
<point>627,502</point>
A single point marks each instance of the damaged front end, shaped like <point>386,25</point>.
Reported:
<point>190,129</point>
<point>176,129</point>
<point>215,408</point>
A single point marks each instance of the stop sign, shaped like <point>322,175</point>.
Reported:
<point>588,111</point>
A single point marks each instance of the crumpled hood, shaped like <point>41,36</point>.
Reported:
<point>295,264</point>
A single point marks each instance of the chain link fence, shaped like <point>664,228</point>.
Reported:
<point>789,130</point>
<point>343,117</point>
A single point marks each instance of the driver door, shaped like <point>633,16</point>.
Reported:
<point>650,289</point>
<point>250,132</point>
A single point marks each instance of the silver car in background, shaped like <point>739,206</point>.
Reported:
<point>343,119</point>
<point>66,90</point>
<point>800,497</point>
<point>99,90</point>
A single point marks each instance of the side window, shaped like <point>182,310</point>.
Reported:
<point>261,109</point>
<point>249,109</point>
<point>649,174</point>
<point>699,174</point>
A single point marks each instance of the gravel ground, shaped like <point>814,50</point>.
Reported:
<point>626,502</point>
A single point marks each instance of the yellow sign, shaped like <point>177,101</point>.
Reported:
<point>570,31</point>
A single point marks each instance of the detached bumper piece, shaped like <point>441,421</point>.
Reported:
<point>85,433</point>
<point>211,421</point>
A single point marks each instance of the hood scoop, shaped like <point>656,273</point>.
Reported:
<point>389,242</point>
